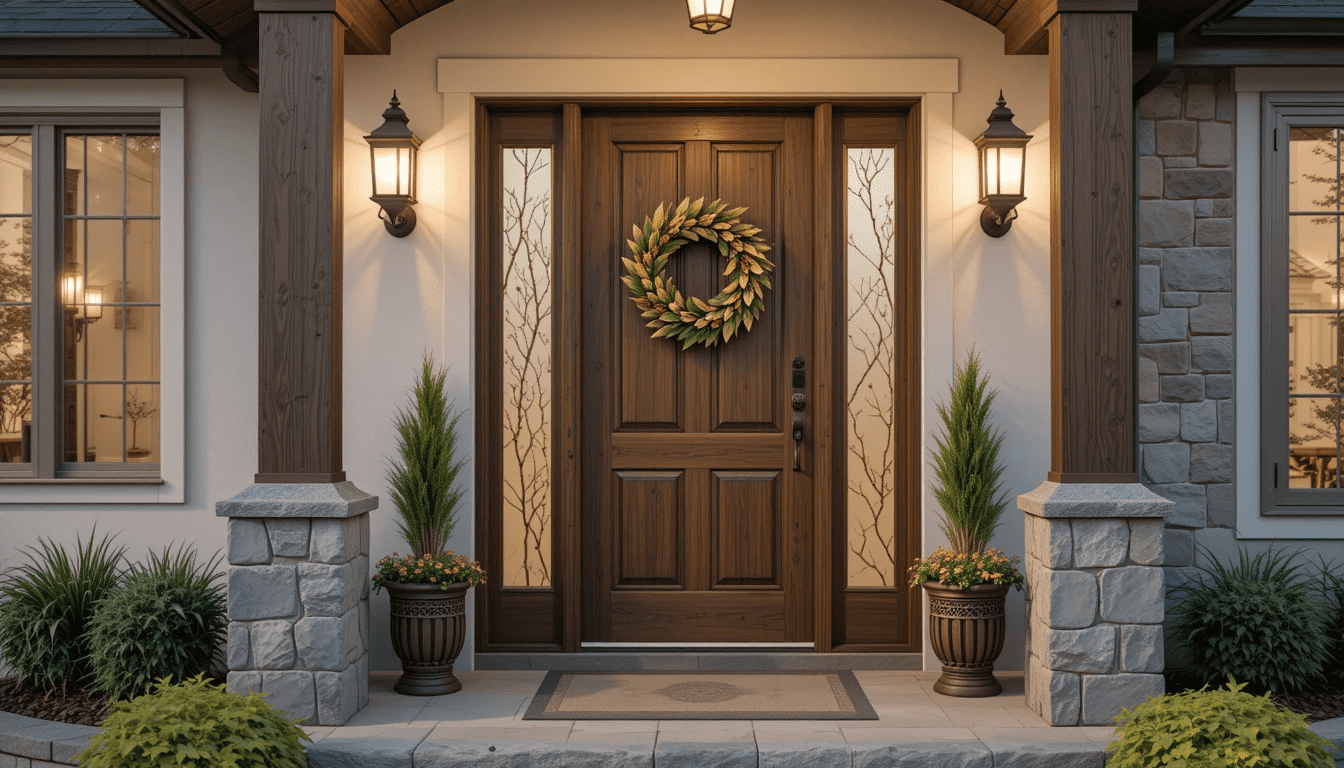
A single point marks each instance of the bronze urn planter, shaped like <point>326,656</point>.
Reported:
<point>428,629</point>
<point>966,632</point>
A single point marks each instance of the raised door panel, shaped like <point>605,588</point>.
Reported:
<point>649,513</point>
<point>746,527</point>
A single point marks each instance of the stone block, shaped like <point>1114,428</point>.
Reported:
<point>362,676</point>
<point>1176,137</point>
<point>1214,232</point>
<point>289,537</point>
<point>1227,103</point>
<point>1169,463</point>
<point>1077,650</point>
<point>321,642</point>
<point>1179,162</point>
<point>263,592</point>
<point>1074,500</point>
<point>1065,599</point>
<point>1148,389</point>
<point>1159,422</point>
<point>363,609</point>
<point>328,590</point>
<point>1227,422</point>
<point>1197,269</point>
<point>1191,183</point>
<point>335,541</point>
<point>818,749</point>
<point>248,544</point>
<point>1050,541</point>
<point>1161,103</point>
<point>1141,648</point>
<point>1218,386</point>
<point>362,575</point>
<point>1151,255</point>
<point>1150,289</point>
<point>240,648</point>
<point>1222,505</point>
<point>1211,354</point>
<point>337,696</point>
<point>1203,209</point>
<point>243,683</point>
<point>1105,695</point>
<point>1180,548</point>
<point>1181,389</point>
<point>1199,422</point>
<point>1200,102</point>
<point>1055,696</point>
<point>1150,177</point>
<point>272,644</point>
<point>291,691</point>
<point>1224,209</point>
<point>1166,325</point>
<point>1166,223</point>
<point>1100,543</point>
<point>1170,358</point>
<point>1132,595</point>
<point>1147,138</point>
<point>1211,463</point>
<point>1185,299</point>
<point>1215,144</point>
<point>1146,540</point>
<point>677,751</point>
<point>1190,501</point>
<point>1214,314</point>
<point>350,630</point>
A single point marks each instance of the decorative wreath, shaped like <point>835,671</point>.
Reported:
<point>693,321</point>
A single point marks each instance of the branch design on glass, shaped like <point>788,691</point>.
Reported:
<point>527,366</point>
<point>870,357</point>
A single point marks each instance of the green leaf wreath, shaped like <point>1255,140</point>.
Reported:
<point>692,320</point>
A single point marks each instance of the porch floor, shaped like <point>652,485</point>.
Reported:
<point>482,726</point>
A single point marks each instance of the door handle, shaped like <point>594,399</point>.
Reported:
<point>799,403</point>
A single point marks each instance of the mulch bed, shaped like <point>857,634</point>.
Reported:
<point>81,707</point>
<point>1316,705</point>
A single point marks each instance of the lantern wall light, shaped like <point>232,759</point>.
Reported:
<point>392,154</point>
<point>1003,159</point>
<point>83,305</point>
<point>710,16</point>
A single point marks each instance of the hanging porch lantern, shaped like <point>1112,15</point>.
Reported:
<point>710,16</point>
<point>1003,158</point>
<point>392,150</point>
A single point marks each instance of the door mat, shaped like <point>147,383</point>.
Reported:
<point>700,696</point>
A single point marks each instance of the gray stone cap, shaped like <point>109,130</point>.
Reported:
<point>335,500</point>
<point>37,739</point>
<point>1094,500</point>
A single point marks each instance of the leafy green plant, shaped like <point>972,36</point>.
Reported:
<point>967,461</point>
<point>442,569</point>
<point>46,604</point>
<point>1215,728</point>
<point>423,476</point>
<point>196,725</point>
<point>966,569</point>
<point>1331,586</point>
<point>1256,621</point>
<point>167,620</point>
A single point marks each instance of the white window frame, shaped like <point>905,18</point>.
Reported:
<point>166,97</point>
<point>1251,85</point>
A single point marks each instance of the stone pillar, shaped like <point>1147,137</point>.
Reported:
<point>299,597</point>
<point>1095,599</point>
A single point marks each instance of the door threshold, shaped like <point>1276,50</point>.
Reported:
<point>693,647</point>
<point>732,659</point>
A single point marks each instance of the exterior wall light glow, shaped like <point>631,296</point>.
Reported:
<point>83,305</point>
<point>392,155</point>
<point>1003,159</point>
<point>710,16</point>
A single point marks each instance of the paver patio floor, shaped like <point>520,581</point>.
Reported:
<point>482,725</point>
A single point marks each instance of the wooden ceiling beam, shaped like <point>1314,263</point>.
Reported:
<point>1024,25</point>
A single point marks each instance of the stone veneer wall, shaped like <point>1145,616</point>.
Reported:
<point>1186,421</point>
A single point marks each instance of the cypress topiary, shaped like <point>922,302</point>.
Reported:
<point>422,479</point>
<point>966,463</point>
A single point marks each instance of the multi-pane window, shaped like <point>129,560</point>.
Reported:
<point>1303,346</point>
<point>79,301</point>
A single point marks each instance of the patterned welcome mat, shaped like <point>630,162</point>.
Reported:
<point>700,696</point>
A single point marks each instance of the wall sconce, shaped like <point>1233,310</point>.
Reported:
<point>392,149</point>
<point>710,16</point>
<point>83,305</point>
<point>1003,160</point>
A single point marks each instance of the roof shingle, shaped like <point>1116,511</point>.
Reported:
<point>79,18</point>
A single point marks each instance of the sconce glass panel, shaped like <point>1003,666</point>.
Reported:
<point>870,376</point>
<point>394,171</point>
<point>525,208</point>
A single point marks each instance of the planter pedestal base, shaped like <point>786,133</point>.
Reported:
<point>968,683</point>
<point>428,681</point>
<point>429,628</point>
<point>966,633</point>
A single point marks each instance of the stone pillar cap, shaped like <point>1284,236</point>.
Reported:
<point>333,500</point>
<point>1065,500</point>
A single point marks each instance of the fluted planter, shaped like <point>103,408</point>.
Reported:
<point>429,626</point>
<point>966,632</point>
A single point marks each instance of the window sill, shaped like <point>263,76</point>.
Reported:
<point>82,481</point>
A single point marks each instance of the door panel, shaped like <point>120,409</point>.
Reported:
<point>650,514</point>
<point>746,529</point>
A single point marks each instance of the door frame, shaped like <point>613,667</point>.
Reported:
<point>564,606</point>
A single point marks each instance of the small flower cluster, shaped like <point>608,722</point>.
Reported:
<point>966,569</point>
<point>443,569</point>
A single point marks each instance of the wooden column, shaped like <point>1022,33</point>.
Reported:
<point>1092,257</point>
<point>299,370</point>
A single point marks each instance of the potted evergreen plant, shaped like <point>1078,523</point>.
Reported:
<point>427,587</point>
<point>968,583</point>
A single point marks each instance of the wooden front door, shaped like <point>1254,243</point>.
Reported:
<point>695,525</point>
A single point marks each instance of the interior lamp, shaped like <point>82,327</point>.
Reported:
<point>83,304</point>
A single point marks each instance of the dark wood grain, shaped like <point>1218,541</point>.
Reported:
<point>827,433</point>
<point>700,450</point>
<point>650,507</point>
<point>697,616</point>
<point>1091,248</point>
<point>745,529</point>
<point>567,346</point>
<point>299,368</point>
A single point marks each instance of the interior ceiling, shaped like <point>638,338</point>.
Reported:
<point>234,22</point>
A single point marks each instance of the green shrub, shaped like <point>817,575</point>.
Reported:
<point>45,605</point>
<point>195,725</point>
<point>167,620</point>
<point>1332,597</point>
<point>1256,621</point>
<point>1215,728</point>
